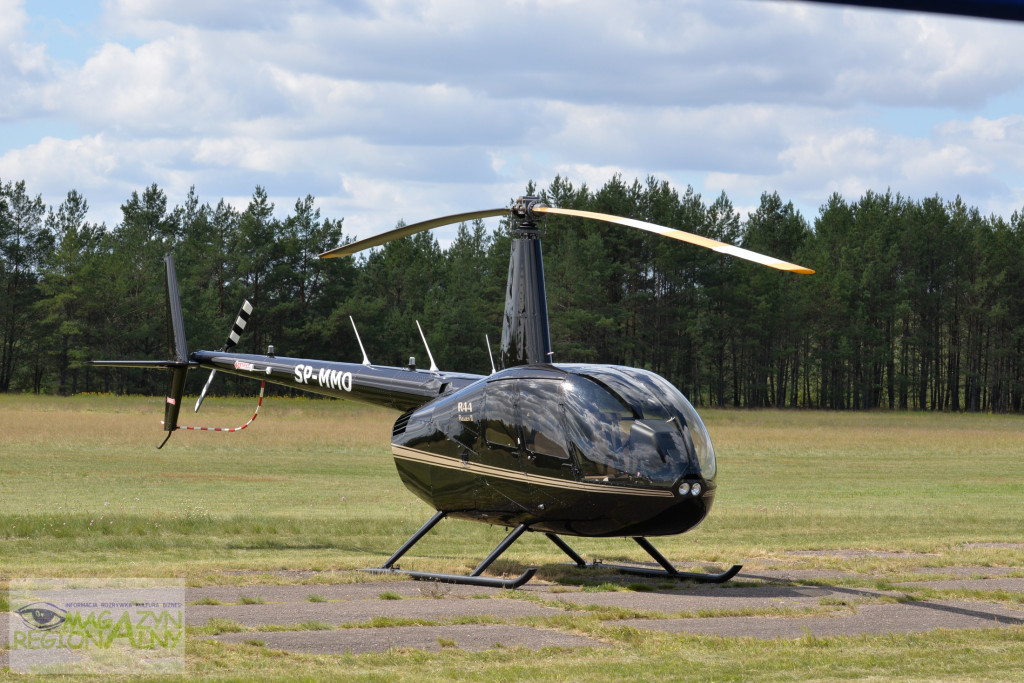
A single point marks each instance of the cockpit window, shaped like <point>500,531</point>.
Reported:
<point>701,440</point>
<point>542,422</point>
<point>599,415</point>
<point>499,412</point>
<point>611,445</point>
<point>654,398</point>
<point>681,409</point>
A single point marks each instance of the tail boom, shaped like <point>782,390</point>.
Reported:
<point>386,386</point>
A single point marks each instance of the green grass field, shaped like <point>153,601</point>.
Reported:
<point>311,485</point>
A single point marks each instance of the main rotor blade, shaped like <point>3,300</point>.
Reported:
<point>405,231</point>
<point>990,9</point>
<point>714,245</point>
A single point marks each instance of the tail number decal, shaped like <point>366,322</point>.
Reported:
<point>325,377</point>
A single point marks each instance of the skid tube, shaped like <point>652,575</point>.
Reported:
<point>669,570</point>
<point>472,579</point>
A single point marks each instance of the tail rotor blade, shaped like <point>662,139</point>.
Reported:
<point>237,328</point>
<point>241,320</point>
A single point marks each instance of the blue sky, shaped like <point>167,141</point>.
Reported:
<point>409,110</point>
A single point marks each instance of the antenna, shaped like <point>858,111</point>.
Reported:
<point>491,355</point>
<point>366,359</point>
<point>433,365</point>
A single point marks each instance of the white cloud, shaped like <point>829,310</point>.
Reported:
<point>912,60</point>
<point>12,21</point>
<point>976,159</point>
<point>651,53</point>
<point>22,65</point>
<point>449,105</point>
<point>168,86</point>
<point>150,18</point>
<point>52,167</point>
<point>376,206</point>
<point>1000,138</point>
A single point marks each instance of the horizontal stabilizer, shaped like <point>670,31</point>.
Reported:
<point>144,364</point>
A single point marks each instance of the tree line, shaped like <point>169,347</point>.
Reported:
<point>916,304</point>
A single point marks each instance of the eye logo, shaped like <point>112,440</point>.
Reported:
<point>42,616</point>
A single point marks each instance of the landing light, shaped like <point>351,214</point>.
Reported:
<point>695,489</point>
<point>684,488</point>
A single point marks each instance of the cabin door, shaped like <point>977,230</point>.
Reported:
<point>543,448</point>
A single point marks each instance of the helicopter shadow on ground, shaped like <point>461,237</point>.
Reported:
<point>778,592</point>
<point>743,584</point>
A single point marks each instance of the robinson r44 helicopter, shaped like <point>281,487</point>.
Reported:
<point>560,449</point>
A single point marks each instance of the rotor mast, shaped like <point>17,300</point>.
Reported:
<point>525,337</point>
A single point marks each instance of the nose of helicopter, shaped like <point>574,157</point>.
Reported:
<point>698,497</point>
<point>687,509</point>
<point>691,489</point>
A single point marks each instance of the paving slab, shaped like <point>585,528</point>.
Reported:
<point>338,592</point>
<point>859,554</point>
<point>358,611</point>
<point>855,610</point>
<point>719,598</point>
<point>793,575</point>
<point>473,637</point>
<point>969,572</point>
<point>5,639</point>
<point>868,619</point>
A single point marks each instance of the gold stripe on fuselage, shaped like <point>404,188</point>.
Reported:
<point>433,459</point>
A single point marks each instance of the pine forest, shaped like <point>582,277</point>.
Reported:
<point>917,304</point>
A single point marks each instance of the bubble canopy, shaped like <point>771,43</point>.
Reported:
<point>628,421</point>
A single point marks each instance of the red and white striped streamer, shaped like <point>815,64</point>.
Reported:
<point>230,429</point>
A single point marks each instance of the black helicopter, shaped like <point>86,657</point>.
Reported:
<point>561,449</point>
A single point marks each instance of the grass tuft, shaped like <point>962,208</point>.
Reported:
<point>206,601</point>
<point>640,587</point>
<point>605,587</point>
<point>217,626</point>
<point>315,626</point>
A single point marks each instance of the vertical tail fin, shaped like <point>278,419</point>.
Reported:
<point>179,351</point>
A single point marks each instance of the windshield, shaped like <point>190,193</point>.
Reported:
<point>652,397</point>
<point>612,442</point>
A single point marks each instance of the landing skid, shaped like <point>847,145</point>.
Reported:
<point>473,579</point>
<point>463,579</point>
<point>669,570</point>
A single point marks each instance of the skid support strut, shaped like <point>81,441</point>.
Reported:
<point>473,579</point>
<point>669,570</point>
